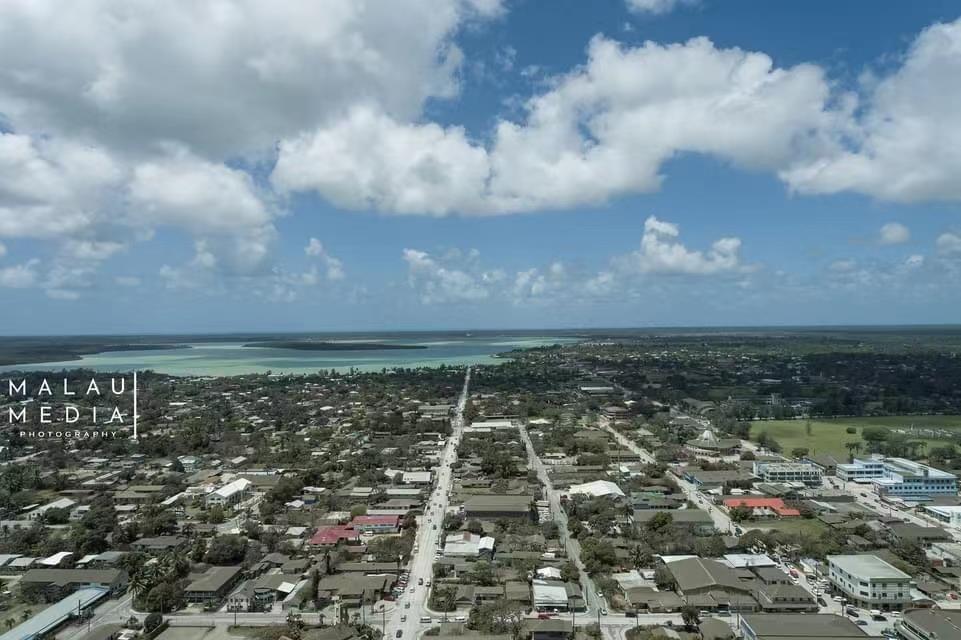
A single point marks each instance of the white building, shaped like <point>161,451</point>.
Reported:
<point>596,489</point>
<point>949,515</point>
<point>229,494</point>
<point>870,582</point>
<point>900,478</point>
<point>549,595</point>
<point>467,545</point>
<point>805,472</point>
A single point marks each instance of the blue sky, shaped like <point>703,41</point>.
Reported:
<point>477,164</point>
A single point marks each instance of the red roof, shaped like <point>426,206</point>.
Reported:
<point>333,535</point>
<point>774,504</point>
<point>375,520</point>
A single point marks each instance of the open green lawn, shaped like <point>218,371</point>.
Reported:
<point>789,525</point>
<point>830,436</point>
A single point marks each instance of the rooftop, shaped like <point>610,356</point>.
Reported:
<point>867,565</point>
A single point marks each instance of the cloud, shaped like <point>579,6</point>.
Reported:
<point>600,131</point>
<point>657,7</point>
<point>894,233</point>
<point>949,243</point>
<point>370,161</point>
<point>227,78</point>
<point>335,268</point>
<point>127,281</point>
<point>661,252</point>
<point>906,147</point>
<point>19,276</point>
<point>439,283</point>
<point>3,250</point>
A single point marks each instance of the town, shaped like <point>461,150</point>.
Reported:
<point>590,490</point>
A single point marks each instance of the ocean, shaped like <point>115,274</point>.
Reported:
<point>216,357</point>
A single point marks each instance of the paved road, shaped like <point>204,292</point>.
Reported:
<point>429,534</point>
<point>560,517</point>
<point>110,612</point>
<point>721,522</point>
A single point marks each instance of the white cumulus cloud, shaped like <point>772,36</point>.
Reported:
<point>894,233</point>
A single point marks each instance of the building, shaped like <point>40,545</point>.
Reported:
<point>861,470</point>
<point>158,544</point>
<point>468,545</point>
<point>709,584</point>
<point>596,489</point>
<point>551,595</point>
<point>48,620</point>
<point>763,507</point>
<point>213,585</point>
<point>492,507</point>
<point>708,444</point>
<point>870,582</point>
<point>798,626</point>
<point>908,479</point>
<point>776,593</point>
<point>64,504</point>
<point>332,536</point>
<point>230,494</point>
<point>948,514</point>
<point>54,584</point>
<point>376,524</point>
<point>927,624</point>
<point>900,478</point>
<point>806,472</point>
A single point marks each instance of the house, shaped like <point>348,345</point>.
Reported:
<point>596,489</point>
<point>54,584</point>
<point>261,593</point>
<point>158,544</point>
<point>213,585</point>
<point>870,582</point>
<point>331,536</point>
<point>762,507</point>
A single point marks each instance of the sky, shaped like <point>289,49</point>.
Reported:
<point>249,165</point>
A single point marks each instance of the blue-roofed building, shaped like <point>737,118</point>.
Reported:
<point>55,615</point>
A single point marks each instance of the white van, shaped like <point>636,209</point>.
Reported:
<point>425,619</point>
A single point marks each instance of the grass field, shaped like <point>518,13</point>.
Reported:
<point>830,436</point>
<point>790,525</point>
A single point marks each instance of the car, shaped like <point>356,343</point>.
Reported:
<point>861,623</point>
<point>403,618</point>
<point>822,601</point>
<point>543,616</point>
<point>953,596</point>
<point>412,589</point>
<point>600,594</point>
<point>399,633</point>
<point>603,612</point>
<point>407,605</point>
<point>420,581</point>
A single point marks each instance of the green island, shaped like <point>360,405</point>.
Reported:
<point>307,345</point>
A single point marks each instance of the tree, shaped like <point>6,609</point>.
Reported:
<point>690,616</point>
<point>152,621</point>
<point>482,574</point>
<point>664,579</point>
<point>570,572</point>
<point>799,452</point>
<point>853,448</point>
<point>741,513</point>
<point>475,526</point>
<point>225,550</point>
<point>215,515</point>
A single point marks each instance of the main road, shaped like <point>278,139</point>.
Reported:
<point>412,605</point>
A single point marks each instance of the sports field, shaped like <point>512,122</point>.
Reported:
<point>830,436</point>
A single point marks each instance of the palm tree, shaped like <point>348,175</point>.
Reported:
<point>10,622</point>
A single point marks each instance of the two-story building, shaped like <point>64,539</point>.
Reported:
<point>870,582</point>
